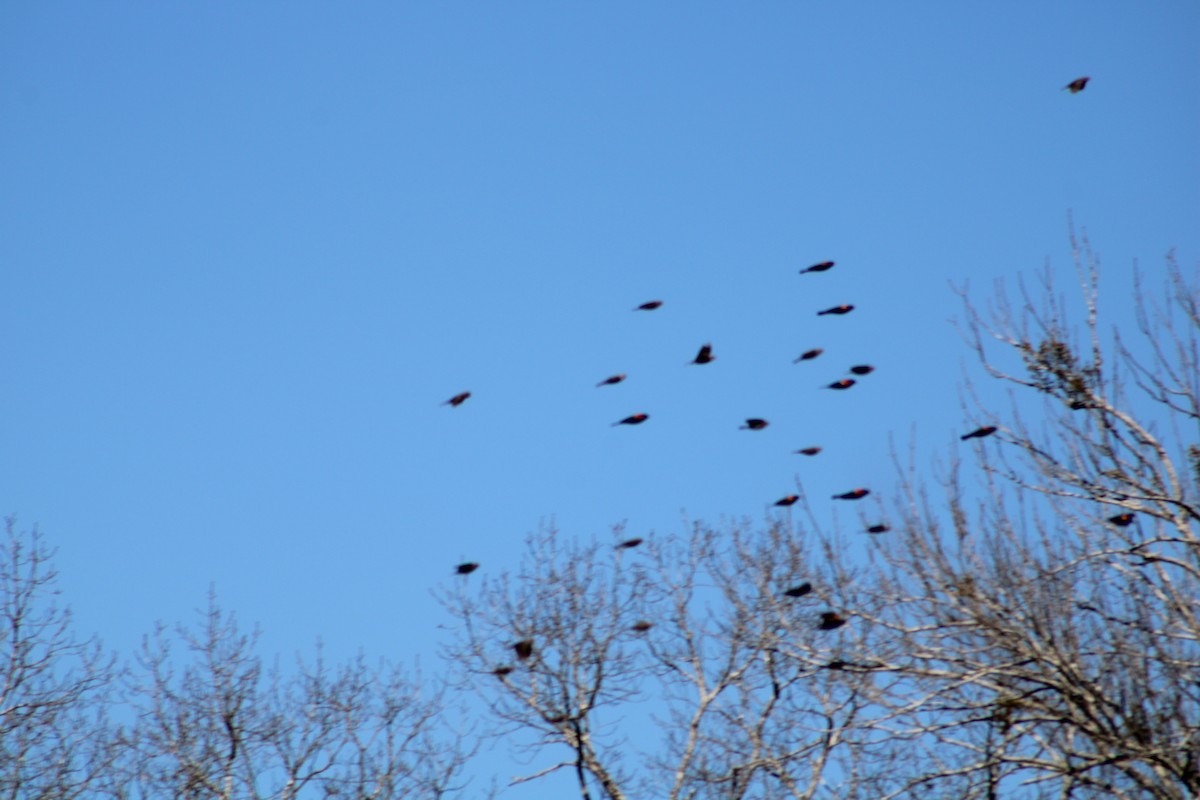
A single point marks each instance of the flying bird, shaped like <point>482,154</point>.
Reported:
<point>824,265</point>
<point>799,590</point>
<point>1122,520</point>
<point>862,369</point>
<point>466,568</point>
<point>809,355</point>
<point>650,306</point>
<point>629,543</point>
<point>808,451</point>
<point>853,494</point>
<point>1076,86</point>
<point>844,383</point>
<point>879,529</point>
<point>831,620</point>
<point>641,626</point>
<point>979,433</point>
<point>612,380</point>
<point>636,419</point>
<point>523,648</point>
<point>836,310</point>
<point>754,424</point>
<point>787,501</point>
<point>705,355</point>
<point>458,399</point>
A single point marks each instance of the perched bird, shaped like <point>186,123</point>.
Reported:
<point>808,451</point>
<point>879,529</point>
<point>650,306</point>
<point>979,433</point>
<point>523,648</point>
<point>641,626</point>
<point>612,380</point>
<point>1076,86</point>
<point>558,719</point>
<point>831,620</point>
<point>754,424</point>
<point>853,494</point>
<point>636,419</point>
<point>629,543</point>
<point>824,265</point>
<point>862,369</point>
<point>1122,520</point>
<point>787,501</point>
<point>501,671</point>
<point>705,355</point>
<point>458,399</point>
<point>836,310</point>
<point>466,568</point>
<point>799,590</point>
<point>809,355</point>
<point>844,383</point>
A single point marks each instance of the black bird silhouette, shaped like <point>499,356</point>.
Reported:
<point>862,369</point>
<point>636,419</point>
<point>979,433</point>
<point>628,543</point>
<point>1121,520</point>
<point>853,494</point>
<point>808,451</point>
<point>844,383</point>
<point>836,310</point>
<point>612,379</point>
<point>705,355</point>
<point>523,648</point>
<point>503,670</point>
<point>879,529</point>
<point>754,424</point>
<point>650,306</point>
<point>787,501</point>
<point>466,568</point>
<point>1076,86</point>
<point>831,620</point>
<point>799,590</point>
<point>809,355</point>
<point>824,265</point>
<point>641,626</point>
<point>458,399</point>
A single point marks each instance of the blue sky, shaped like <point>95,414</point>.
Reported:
<point>247,251</point>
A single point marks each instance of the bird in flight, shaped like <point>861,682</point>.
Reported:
<point>808,451</point>
<point>836,310</point>
<point>862,369</point>
<point>879,529</point>
<point>809,355</point>
<point>824,265</point>
<point>853,494</point>
<point>831,620</point>
<point>523,648</point>
<point>629,543</point>
<point>754,424</point>
<point>458,399</point>
<point>636,419</point>
<point>705,355</point>
<point>1076,86</point>
<point>612,380</point>
<point>466,568</point>
<point>650,306</point>
<point>799,590</point>
<point>641,626</point>
<point>787,501</point>
<point>979,433</point>
<point>1121,520</point>
<point>844,383</point>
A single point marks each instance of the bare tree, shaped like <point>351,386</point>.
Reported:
<point>55,691</point>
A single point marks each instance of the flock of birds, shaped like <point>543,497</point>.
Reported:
<point>829,620</point>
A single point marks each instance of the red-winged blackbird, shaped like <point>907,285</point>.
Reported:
<point>836,310</point>
<point>628,543</point>
<point>979,433</point>
<point>787,501</point>
<point>1121,520</point>
<point>831,620</point>
<point>523,648</point>
<point>636,419</point>
<point>466,568</point>
<point>809,355</point>
<point>862,369</point>
<point>824,265</point>
<point>844,383</point>
<point>754,424</point>
<point>558,719</point>
<point>808,451</point>
<point>799,590</point>
<point>612,379</point>
<point>641,626</point>
<point>653,304</point>
<point>501,671</point>
<point>705,355</point>
<point>879,529</point>
<point>854,494</point>
<point>1076,86</point>
<point>458,399</point>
